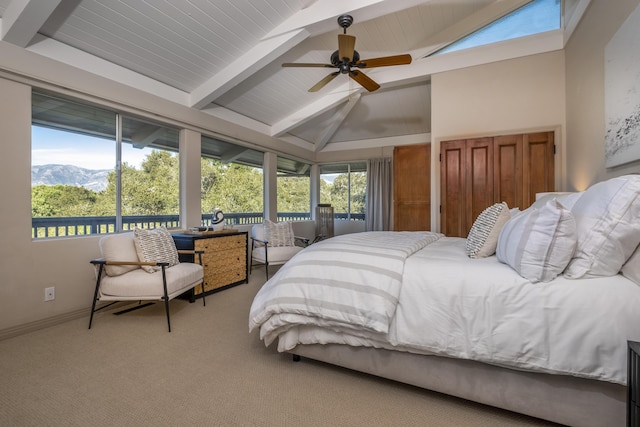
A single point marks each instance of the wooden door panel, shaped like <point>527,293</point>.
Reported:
<point>479,182</point>
<point>507,176</point>
<point>538,165</point>
<point>452,187</point>
<point>413,216</point>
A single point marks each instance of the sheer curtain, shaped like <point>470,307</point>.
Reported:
<point>379,181</point>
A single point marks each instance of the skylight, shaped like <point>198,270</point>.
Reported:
<point>536,17</point>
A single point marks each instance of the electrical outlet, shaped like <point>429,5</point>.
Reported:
<point>50,293</point>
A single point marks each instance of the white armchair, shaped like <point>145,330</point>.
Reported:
<point>123,276</point>
<point>274,244</point>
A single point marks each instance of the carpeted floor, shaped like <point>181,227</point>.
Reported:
<point>209,371</point>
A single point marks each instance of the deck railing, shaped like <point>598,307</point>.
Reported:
<point>87,225</point>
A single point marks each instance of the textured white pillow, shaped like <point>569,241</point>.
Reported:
<point>538,243</point>
<point>279,234</point>
<point>608,225</point>
<point>483,236</point>
<point>155,245</point>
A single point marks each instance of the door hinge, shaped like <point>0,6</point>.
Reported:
<point>554,148</point>
<point>440,158</point>
<point>440,208</point>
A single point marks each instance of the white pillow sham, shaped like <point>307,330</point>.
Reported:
<point>538,243</point>
<point>607,219</point>
<point>483,236</point>
<point>631,268</point>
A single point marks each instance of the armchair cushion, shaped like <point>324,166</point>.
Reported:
<point>119,247</point>
<point>142,285</point>
<point>277,255</point>
<point>279,234</point>
<point>155,245</point>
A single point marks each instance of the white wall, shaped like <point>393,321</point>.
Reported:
<point>585,93</point>
<point>519,95</point>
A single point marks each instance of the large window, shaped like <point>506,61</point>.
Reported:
<point>293,190</point>
<point>232,181</point>
<point>344,186</point>
<point>97,171</point>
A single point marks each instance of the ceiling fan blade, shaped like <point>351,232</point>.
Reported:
<point>302,64</point>
<point>364,80</point>
<point>384,61</point>
<point>322,83</point>
<point>346,46</point>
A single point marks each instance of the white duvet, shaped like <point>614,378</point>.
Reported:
<point>451,305</point>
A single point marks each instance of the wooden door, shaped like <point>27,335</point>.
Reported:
<point>412,187</point>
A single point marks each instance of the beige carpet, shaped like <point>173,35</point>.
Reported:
<point>129,371</point>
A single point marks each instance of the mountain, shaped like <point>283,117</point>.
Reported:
<point>91,179</point>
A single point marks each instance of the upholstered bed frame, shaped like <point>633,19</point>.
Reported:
<point>559,398</point>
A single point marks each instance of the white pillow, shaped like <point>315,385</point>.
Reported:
<point>155,245</point>
<point>538,243</point>
<point>279,234</point>
<point>483,236</point>
<point>119,247</point>
<point>631,268</point>
<point>608,225</point>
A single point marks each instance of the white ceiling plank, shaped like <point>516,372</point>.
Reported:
<point>321,16</point>
<point>71,56</point>
<point>23,19</point>
<point>246,65</point>
<point>336,121</point>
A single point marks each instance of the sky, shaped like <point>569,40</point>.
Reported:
<point>49,146</point>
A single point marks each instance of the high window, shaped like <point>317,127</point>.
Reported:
<point>98,171</point>
<point>535,17</point>
<point>344,186</point>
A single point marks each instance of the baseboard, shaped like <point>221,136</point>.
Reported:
<point>43,323</point>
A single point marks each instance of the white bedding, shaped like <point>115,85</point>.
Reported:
<point>479,309</point>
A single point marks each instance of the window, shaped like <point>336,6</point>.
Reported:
<point>344,186</point>
<point>535,17</point>
<point>294,190</point>
<point>232,181</point>
<point>77,188</point>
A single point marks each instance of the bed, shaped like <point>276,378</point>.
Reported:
<point>530,313</point>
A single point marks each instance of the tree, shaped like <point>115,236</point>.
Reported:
<point>61,200</point>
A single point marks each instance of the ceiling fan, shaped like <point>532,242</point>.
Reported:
<point>347,60</point>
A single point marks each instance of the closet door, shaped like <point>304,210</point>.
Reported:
<point>476,173</point>
<point>412,187</point>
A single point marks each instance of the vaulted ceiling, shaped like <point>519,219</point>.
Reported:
<point>224,57</point>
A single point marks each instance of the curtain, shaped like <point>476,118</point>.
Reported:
<point>379,181</point>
